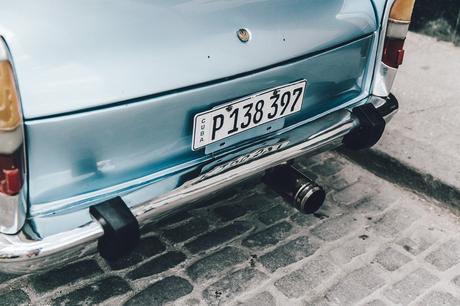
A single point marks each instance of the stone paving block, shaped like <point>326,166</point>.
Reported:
<point>157,265</point>
<point>419,240</point>
<point>187,230</point>
<point>218,236</point>
<point>192,302</point>
<point>394,221</point>
<point>336,227</point>
<point>14,297</point>
<point>411,286</point>
<point>148,247</point>
<point>439,298</point>
<point>349,250</point>
<point>327,168</point>
<point>262,299</point>
<point>304,220</point>
<point>230,286</point>
<point>318,301</point>
<point>355,286</point>
<point>269,236</point>
<point>167,221</point>
<point>391,260</point>
<point>308,162</point>
<point>95,293</point>
<point>288,253</point>
<point>456,280</point>
<point>338,184</point>
<point>377,202</point>
<point>175,218</point>
<point>343,179</point>
<point>446,256</point>
<point>213,264</point>
<point>375,303</point>
<point>354,193</point>
<point>274,214</point>
<point>65,275</point>
<point>303,280</point>
<point>230,212</point>
<point>164,291</point>
<point>259,202</point>
<point>6,277</point>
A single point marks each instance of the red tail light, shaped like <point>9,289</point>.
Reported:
<point>393,52</point>
<point>398,26</point>
<point>10,174</point>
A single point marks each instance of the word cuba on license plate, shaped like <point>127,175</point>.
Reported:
<point>241,115</point>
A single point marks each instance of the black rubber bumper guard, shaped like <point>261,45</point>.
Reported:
<point>121,229</point>
<point>371,124</point>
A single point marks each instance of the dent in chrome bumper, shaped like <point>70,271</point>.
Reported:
<point>24,253</point>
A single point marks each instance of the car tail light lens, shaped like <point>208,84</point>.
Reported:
<point>402,10</point>
<point>398,26</point>
<point>10,133</point>
<point>10,117</point>
<point>12,150</point>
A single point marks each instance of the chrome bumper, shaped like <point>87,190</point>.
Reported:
<point>21,253</point>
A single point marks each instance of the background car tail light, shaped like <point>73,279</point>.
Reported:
<point>12,156</point>
<point>398,26</point>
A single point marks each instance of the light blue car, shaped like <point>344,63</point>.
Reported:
<point>114,114</point>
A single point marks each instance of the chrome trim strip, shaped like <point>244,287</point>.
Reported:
<point>21,253</point>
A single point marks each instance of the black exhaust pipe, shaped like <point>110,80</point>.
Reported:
<point>305,195</point>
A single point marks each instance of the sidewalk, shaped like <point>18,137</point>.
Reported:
<point>421,146</point>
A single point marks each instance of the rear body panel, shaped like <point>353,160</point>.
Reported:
<point>78,55</point>
<point>74,155</point>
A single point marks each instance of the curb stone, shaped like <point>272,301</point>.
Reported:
<point>398,172</point>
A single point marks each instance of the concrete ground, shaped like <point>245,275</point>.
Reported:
<point>372,243</point>
<point>422,143</point>
<point>426,131</point>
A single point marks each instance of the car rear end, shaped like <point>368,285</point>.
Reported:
<point>158,104</point>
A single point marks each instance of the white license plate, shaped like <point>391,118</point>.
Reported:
<point>241,115</point>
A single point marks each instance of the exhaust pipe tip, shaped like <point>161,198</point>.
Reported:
<point>303,193</point>
<point>310,198</point>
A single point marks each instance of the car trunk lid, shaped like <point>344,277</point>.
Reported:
<point>73,56</point>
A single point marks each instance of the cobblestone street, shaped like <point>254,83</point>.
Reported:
<point>371,244</point>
